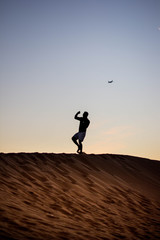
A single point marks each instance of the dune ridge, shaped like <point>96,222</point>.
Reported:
<point>81,197</point>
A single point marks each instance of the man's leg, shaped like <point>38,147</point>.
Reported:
<point>80,147</point>
<point>75,141</point>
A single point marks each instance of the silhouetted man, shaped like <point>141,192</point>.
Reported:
<point>84,123</point>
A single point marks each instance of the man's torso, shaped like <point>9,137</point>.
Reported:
<point>84,123</point>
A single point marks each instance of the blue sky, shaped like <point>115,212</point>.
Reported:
<point>56,59</point>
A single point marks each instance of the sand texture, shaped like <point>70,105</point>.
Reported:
<point>78,197</point>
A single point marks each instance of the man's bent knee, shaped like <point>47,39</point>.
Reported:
<point>73,139</point>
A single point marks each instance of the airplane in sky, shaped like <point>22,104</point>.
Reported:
<point>110,81</point>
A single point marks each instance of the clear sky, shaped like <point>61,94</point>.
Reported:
<point>56,59</point>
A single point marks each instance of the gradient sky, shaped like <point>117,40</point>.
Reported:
<point>56,59</point>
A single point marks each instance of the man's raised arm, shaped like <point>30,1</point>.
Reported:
<point>76,116</point>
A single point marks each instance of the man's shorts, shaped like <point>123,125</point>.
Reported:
<point>80,136</point>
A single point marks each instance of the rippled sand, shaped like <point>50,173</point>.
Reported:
<point>78,197</point>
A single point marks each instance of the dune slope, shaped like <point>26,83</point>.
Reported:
<point>81,197</point>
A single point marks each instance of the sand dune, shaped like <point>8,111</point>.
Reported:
<point>78,197</point>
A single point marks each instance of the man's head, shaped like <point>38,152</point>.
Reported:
<point>85,114</point>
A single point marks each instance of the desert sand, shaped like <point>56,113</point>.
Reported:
<point>78,197</point>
